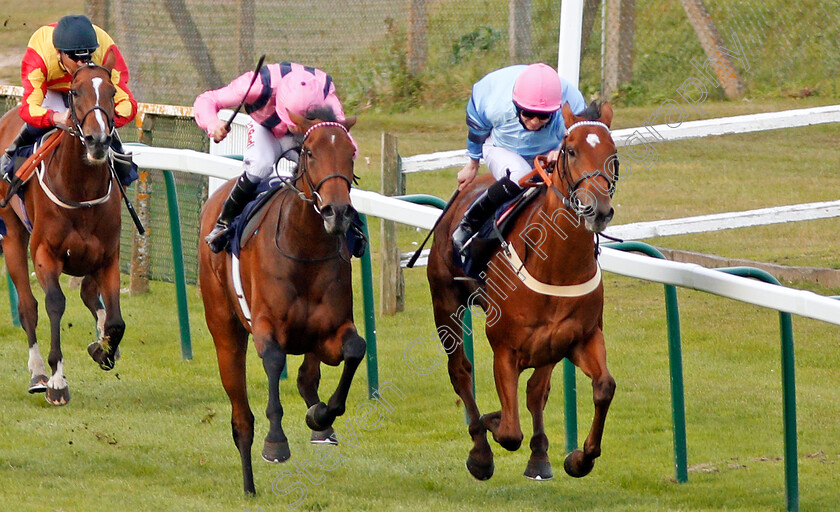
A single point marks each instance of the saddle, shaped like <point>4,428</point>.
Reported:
<point>492,233</point>
<point>245,225</point>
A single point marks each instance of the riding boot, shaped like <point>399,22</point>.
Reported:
<point>124,165</point>
<point>481,210</point>
<point>242,193</point>
<point>26,137</point>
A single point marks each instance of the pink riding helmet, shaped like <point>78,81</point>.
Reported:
<point>538,89</point>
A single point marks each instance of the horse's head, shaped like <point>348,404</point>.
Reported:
<point>92,109</point>
<point>589,164</point>
<point>326,168</point>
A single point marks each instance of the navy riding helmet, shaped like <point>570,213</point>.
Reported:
<point>75,36</point>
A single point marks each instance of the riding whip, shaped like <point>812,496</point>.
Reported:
<point>253,79</point>
<point>416,255</point>
<point>128,205</point>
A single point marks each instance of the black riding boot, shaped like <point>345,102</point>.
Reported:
<point>26,137</point>
<point>242,193</point>
<point>481,210</point>
<point>124,165</point>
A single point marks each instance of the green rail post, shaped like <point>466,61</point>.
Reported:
<point>672,314</point>
<point>13,301</point>
<point>178,262</point>
<point>370,317</point>
<point>570,401</point>
<point>788,389</point>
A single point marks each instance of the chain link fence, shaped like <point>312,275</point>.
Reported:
<point>397,54</point>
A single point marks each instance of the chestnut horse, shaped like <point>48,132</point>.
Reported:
<point>74,209</point>
<point>295,295</point>
<point>543,310</point>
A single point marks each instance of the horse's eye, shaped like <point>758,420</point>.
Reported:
<point>571,152</point>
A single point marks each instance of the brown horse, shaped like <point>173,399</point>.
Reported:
<point>74,209</point>
<point>543,310</point>
<point>295,295</point>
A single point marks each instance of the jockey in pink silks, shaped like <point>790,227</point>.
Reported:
<point>279,87</point>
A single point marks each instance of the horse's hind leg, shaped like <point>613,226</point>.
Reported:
<point>450,330</point>
<point>47,270</point>
<point>321,416</point>
<point>276,447</point>
<point>504,424</point>
<point>539,385</point>
<point>309,376</point>
<point>591,358</point>
<point>104,350</point>
<point>15,251</point>
<point>231,341</point>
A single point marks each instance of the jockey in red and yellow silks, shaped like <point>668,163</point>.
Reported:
<point>54,53</point>
<point>41,71</point>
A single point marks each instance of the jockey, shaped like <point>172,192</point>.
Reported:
<point>510,134</point>
<point>279,89</point>
<point>53,54</point>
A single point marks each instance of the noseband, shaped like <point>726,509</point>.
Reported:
<point>305,155</point>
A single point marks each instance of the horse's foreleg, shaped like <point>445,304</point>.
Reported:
<point>276,447</point>
<point>505,424</point>
<point>591,358</point>
<point>89,293</point>
<point>539,385</point>
<point>320,416</point>
<point>48,270</point>
<point>309,377</point>
<point>16,256</point>
<point>104,350</point>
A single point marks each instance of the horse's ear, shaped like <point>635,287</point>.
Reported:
<point>606,114</point>
<point>349,122</point>
<point>569,117</point>
<point>301,124</point>
<point>109,62</point>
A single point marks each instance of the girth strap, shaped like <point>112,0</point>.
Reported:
<point>573,290</point>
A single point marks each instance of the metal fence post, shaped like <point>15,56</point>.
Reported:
<point>178,262</point>
<point>370,316</point>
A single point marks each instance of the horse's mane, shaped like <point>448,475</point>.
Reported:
<point>324,113</point>
<point>592,112</point>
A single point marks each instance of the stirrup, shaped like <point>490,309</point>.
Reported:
<point>217,238</point>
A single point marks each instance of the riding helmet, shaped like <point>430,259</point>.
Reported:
<point>74,34</point>
<point>538,89</point>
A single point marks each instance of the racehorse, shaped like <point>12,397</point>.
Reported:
<point>543,310</point>
<point>74,212</point>
<point>295,295</point>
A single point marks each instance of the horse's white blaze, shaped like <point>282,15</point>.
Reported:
<point>332,140</point>
<point>100,322</point>
<point>57,381</point>
<point>36,362</point>
<point>97,82</point>
<point>593,139</point>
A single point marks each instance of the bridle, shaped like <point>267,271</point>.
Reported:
<point>303,166</point>
<point>571,200</point>
<point>76,129</point>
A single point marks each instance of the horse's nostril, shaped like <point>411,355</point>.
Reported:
<point>328,211</point>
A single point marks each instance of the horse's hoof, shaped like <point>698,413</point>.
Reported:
<point>38,384</point>
<point>539,470</point>
<point>577,465</point>
<point>314,412</point>
<point>58,396</point>
<point>324,436</point>
<point>101,356</point>
<point>481,471</point>
<point>276,452</point>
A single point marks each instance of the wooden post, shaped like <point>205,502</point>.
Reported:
<point>704,27</point>
<point>140,267</point>
<point>519,31</point>
<point>417,25</point>
<point>619,45</point>
<point>391,284</point>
